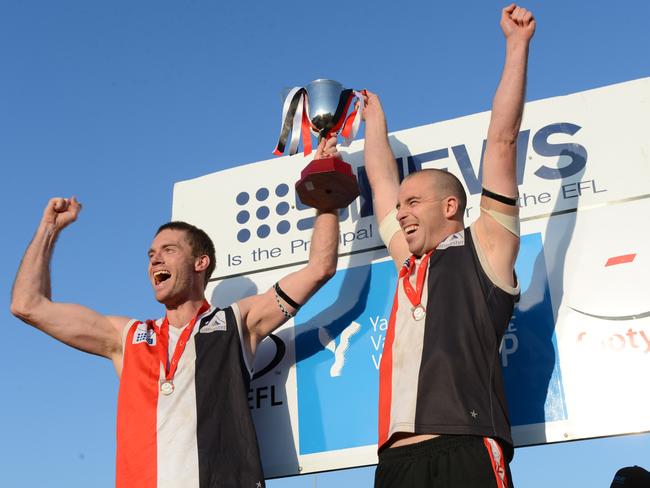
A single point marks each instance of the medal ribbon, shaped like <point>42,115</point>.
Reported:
<point>415,296</point>
<point>163,345</point>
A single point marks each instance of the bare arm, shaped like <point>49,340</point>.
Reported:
<point>382,172</point>
<point>31,300</point>
<point>499,167</point>
<point>261,314</point>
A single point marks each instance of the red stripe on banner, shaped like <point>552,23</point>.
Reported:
<point>386,375</point>
<point>497,461</point>
<point>625,258</point>
<point>137,403</point>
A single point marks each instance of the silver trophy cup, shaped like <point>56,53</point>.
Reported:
<point>329,182</point>
<point>324,97</point>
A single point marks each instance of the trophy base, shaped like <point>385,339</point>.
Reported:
<point>326,184</point>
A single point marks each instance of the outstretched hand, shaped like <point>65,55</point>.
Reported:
<point>517,23</point>
<point>61,212</point>
<point>327,149</point>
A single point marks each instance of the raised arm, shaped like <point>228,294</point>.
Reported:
<point>499,167</point>
<point>383,177</point>
<point>31,300</point>
<point>262,314</point>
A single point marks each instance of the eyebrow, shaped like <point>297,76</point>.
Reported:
<point>161,247</point>
<point>409,199</point>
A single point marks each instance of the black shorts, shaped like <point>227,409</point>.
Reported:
<point>444,461</point>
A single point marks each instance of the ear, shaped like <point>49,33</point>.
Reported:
<point>451,207</point>
<point>201,263</point>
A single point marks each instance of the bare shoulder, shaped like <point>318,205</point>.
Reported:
<point>245,304</point>
<point>119,322</point>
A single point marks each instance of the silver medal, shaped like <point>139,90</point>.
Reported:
<point>418,312</point>
<point>166,387</point>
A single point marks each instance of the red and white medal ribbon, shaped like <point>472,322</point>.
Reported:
<point>415,295</point>
<point>167,386</point>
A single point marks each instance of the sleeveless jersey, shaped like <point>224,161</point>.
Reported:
<point>201,435</point>
<point>442,374</point>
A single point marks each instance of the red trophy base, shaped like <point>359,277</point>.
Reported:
<point>327,183</point>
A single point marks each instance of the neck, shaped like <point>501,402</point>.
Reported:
<point>179,315</point>
<point>443,233</point>
<point>450,229</point>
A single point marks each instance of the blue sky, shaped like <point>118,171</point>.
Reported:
<point>115,101</point>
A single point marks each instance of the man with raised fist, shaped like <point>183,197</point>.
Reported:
<point>443,414</point>
<point>183,418</point>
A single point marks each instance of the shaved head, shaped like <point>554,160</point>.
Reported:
<point>443,185</point>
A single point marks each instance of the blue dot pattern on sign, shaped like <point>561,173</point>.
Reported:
<point>243,216</point>
<point>282,189</point>
<point>282,208</point>
<point>248,215</point>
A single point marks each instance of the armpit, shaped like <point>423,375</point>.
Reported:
<point>512,290</point>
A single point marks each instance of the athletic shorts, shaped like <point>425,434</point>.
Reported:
<point>445,461</point>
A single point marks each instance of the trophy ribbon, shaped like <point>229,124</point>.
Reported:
<point>306,126</point>
<point>352,123</point>
<point>293,104</point>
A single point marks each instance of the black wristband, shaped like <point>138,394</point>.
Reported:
<point>500,198</point>
<point>285,297</point>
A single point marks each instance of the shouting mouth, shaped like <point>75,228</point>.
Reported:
<point>160,276</point>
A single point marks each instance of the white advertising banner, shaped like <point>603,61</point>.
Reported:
<point>577,350</point>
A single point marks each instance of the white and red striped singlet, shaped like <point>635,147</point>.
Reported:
<point>442,374</point>
<point>201,435</point>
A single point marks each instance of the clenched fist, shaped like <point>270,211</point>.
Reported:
<point>517,23</point>
<point>61,212</point>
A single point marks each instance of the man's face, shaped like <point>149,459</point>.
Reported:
<point>171,267</point>
<point>420,213</point>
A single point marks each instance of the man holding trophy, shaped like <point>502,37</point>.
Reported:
<point>443,416</point>
<point>183,417</point>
